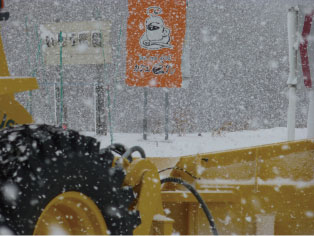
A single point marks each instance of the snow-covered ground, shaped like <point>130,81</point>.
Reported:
<point>156,146</point>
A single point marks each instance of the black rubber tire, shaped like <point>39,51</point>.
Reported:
<point>42,161</point>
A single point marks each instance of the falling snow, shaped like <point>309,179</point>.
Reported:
<point>5,231</point>
<point>235,94</point>
<point>10,192</point>
<point>234,49</point>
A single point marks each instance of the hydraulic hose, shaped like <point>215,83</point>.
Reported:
<point>181,169</point>
<point>198,197</point>
<point>118,148</point>
<point>126,152</point>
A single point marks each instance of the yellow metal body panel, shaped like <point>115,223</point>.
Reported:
<point>10,85</point>
<point>187,197</point>
<point>11,111</point>
<point>246,189</point>
<point>143,176</point>
<point>4,70</point>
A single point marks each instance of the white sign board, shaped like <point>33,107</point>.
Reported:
<point>85,42</point>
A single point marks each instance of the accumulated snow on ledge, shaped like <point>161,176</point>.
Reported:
<point>159,217</point>
<point>278,181</point>
<point>189,144</point>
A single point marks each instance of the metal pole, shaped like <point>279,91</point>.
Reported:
<point>100,111</point>
<point>185,62</point>
<point>95,106</point>
<point>56,102</point>
<point>291,112</point>
<point>31,102</point>
<point>61,80</point>
<point>166,115</point>
<point>310,117</point>
<point>145,115</point>
<point>292,80</point>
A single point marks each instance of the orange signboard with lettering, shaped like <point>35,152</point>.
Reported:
<point>155,37</point>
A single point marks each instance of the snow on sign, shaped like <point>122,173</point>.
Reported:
<point>85,42</point>
<point>155,36</point>
<point>306,18</point>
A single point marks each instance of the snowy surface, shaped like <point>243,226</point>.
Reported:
<point>189,144</point>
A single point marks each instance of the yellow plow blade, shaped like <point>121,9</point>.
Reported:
<point>265,189</point>
<point>11,111</point>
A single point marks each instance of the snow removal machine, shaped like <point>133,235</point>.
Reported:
<point>56,181</point>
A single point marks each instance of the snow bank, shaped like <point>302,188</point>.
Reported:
<point>191,144</point>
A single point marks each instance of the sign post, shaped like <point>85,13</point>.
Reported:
<point>292,80</point>
<point>145,115</point>
<point>166,115</point>
<point>155,40</point>
<point>83,42</point>
<point>57,104</point>
<point>100,113</point>
<point>310,117</point>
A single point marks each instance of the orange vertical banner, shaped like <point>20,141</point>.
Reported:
<point>155,37</point>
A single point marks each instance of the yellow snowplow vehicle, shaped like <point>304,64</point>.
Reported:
<point>56,181</point>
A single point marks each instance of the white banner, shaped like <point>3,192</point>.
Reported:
<point>306,47</point>
<point>85,42</point>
